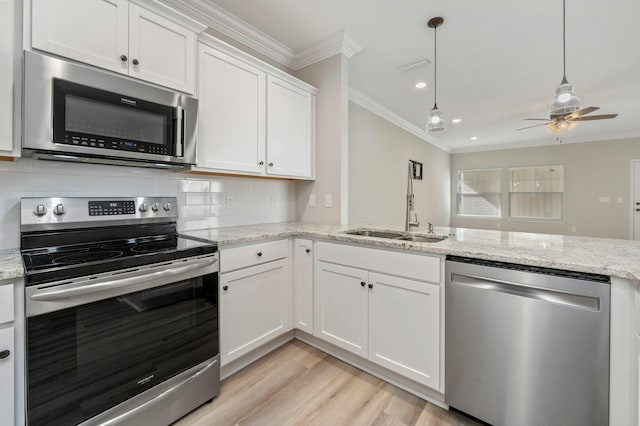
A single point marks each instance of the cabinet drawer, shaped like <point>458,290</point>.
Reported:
<point>6,303</point>
<point>410,265</point>
<point>255,254</point>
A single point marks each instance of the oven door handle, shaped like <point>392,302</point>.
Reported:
<point>57,294</point>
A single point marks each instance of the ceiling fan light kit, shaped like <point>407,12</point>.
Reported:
<point>565,110</point>
<point>436,122</point>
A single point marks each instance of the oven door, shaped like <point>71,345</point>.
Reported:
<point>87,358</point>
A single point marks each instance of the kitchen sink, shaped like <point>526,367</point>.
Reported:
<point>377,234</point>
<point>423,238</point>
<point>400,236</point>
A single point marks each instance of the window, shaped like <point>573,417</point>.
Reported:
<point>479,193</point>
<point>536,192</point>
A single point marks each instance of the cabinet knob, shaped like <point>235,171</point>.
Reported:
<point>270,164</point>
<point>308,250</point>
<point>4,354</point>
<point>362,283</point>
<point>259,254</point>
<point>261,163</point>
<point>135,62</point>
<point>638,210</point>
<point>370,285</point>
<point>123,58</point>
<point>225,288</point>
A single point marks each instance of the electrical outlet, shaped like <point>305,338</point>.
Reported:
<point>229,201</point>
<point>327,200</point>
<point>620,200</point>
<point>603,200</point>
<point>312,200</point>
<point>573,229</point>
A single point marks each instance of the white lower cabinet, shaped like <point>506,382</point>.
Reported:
<point>404,327</point>
<point>255,303</point>
<point>390,320</point>
<point>341,305</point>
<point>6,377</point>
<point>303,284</point>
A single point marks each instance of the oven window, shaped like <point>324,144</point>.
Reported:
<point>84,360</point>
<point>93,117</point>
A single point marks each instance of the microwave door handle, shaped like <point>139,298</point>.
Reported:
<point>179,131</point>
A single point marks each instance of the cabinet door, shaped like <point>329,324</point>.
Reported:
<point>303,285</point>
<point>289,129</point>
<point>91,31</point>
<point>6,378</point>
<point>161,51</point>
<point>231,113</point>
<point>404,327</point>
<point>255,307</point>
<point>6,74</point>
<point>341,307</point>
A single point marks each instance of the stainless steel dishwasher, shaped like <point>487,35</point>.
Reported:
<point>526,345</point>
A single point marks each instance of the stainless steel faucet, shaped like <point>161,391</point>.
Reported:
<point>410,199</point>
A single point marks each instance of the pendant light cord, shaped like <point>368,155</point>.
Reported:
<point>435,67</point>
<point>564,40</point>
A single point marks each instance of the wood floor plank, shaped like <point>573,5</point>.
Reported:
<point>300,385</point>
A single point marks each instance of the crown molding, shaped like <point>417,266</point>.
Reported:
<point>365,102</point>
<point>224,22</point>
<point>338,43</point>
<point>174,14</point>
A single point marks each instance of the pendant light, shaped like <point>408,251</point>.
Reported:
<point>566,100</point>
<point>436,123</point>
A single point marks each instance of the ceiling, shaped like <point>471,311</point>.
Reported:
<point>498,61</point>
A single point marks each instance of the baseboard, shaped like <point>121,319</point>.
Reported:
<point>417,389</point>
<point>240,363</point>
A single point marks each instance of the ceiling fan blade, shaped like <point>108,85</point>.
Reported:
<point>594,117</point>
<point>537,119</point>
<point>581,112</point>
<point>535,125</point>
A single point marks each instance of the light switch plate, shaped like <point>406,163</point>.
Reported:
<point>327,200</point>
<point>312,200</point>
<point>603,200</point>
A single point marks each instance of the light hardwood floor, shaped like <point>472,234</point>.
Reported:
<point>300,385</point>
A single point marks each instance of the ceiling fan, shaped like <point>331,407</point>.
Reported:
<point>565,110</point>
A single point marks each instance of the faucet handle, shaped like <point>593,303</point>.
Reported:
<point>430,228</point>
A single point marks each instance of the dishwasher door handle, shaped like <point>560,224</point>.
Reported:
<point>536,293</point>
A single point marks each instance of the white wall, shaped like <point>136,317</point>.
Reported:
<point>379,153</point>
<point>201,198</point>
<point>330,77</point>
<point>591,170</point>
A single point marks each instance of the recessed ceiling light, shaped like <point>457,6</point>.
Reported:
<point>456,120</point>
<point>474,138</point>
<point>421,85</point>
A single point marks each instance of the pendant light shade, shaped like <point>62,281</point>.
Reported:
<point>565,101</point>
<point>436,122</point>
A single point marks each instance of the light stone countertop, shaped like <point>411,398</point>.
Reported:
<point>613,257</point>
<point>10,264</point>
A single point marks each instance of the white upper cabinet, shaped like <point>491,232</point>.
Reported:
<point>6,75</point>
<point>231,113</point>
<point>253,118</point>
<point>120,36</point>
<point>161,51</point>
<point>289,129</point>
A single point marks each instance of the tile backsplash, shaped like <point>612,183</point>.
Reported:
<point>203,201</point>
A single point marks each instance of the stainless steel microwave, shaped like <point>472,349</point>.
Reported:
<point>76,113</point>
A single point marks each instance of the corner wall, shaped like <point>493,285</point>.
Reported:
<point>330,77</point>
<point>591,170</point>
<point>379,154</point>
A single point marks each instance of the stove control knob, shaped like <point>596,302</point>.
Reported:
<point>143,207</point>
<point>155,207</point>
<point>59,210</point>
<point>40,210</point>
<point>167,207</point>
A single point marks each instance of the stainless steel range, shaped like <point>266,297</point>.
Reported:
<point>122,312</point>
